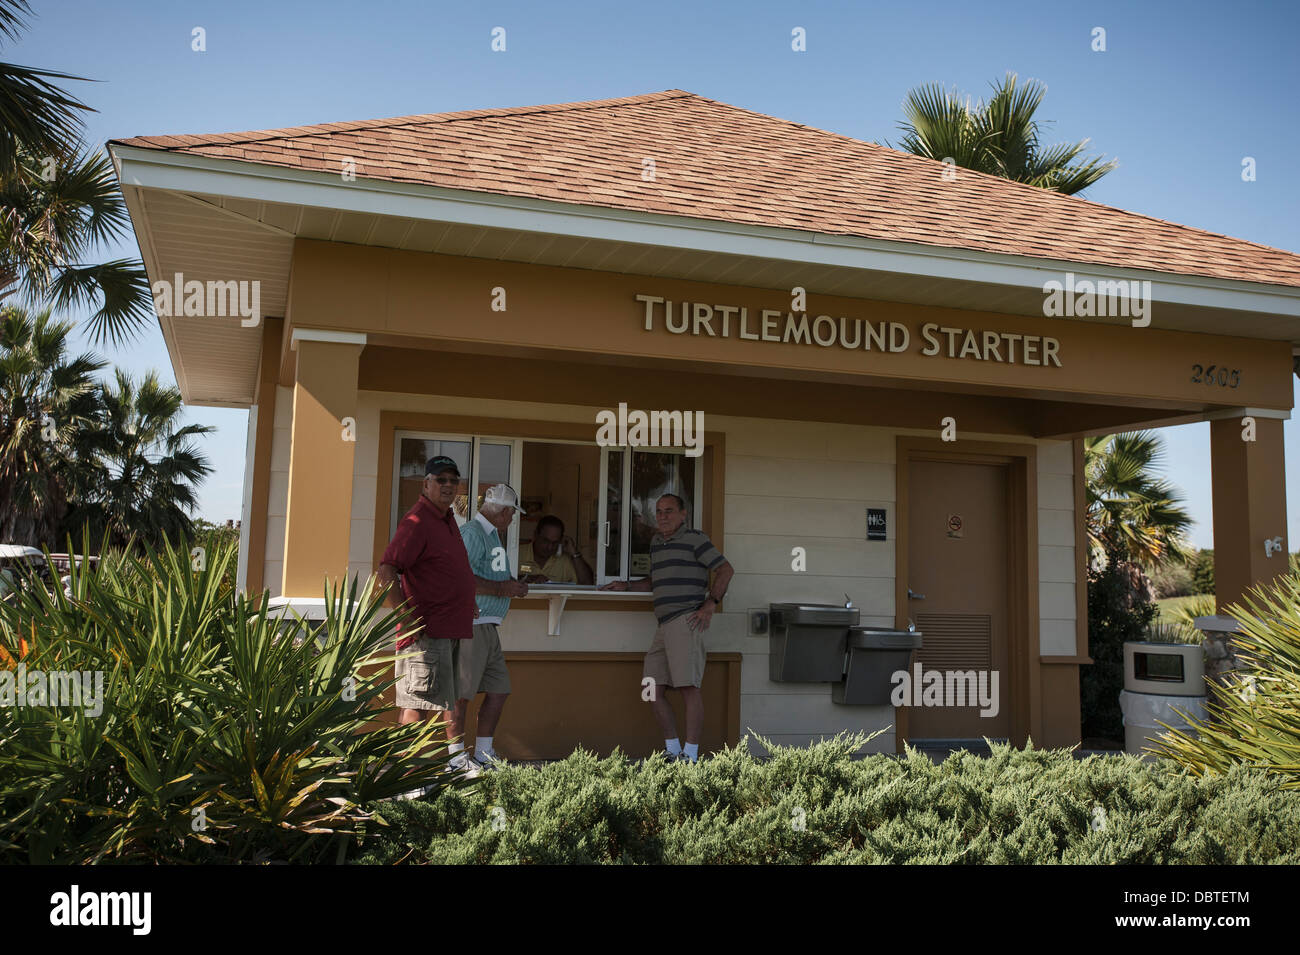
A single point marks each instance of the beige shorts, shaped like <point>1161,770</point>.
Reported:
<point>676,655</point>
<point>426,675</point>
<point>480,664</point>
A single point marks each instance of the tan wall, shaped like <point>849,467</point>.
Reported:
<point>388,292</point>
<point>843,469</point>
<point>1249,487</point>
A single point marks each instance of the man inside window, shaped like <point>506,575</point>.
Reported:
<point>681,560</point>
<point>554,558</point>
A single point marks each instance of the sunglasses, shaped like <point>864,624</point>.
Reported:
<point>447,480</point>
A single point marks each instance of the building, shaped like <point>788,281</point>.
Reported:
<point>865,332</point>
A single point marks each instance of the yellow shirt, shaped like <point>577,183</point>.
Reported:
<point>558,569</point>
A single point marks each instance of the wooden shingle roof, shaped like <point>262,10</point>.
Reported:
<point>720,162</point>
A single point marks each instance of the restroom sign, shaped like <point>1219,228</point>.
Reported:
<point>876,526</point>
<point>954,525</point>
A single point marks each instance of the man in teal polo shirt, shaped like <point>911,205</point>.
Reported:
<point>480,664</point>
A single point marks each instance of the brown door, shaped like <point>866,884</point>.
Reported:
<point>957,576</point>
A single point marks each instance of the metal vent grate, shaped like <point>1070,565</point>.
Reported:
<point>955,641</point>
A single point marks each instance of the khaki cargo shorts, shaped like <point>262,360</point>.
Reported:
<point>676,655</point>
<point>426,675</point>
<point>480,664</point>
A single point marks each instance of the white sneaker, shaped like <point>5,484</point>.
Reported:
<point>419,793</point>
<point>467,767</point>
<point>488,762</point>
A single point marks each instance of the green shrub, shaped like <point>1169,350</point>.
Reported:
<point>1183,616</point>
<point>1255,720</point>
<point>1118,611</point>
<point>221,737</point>
<point>1203,571</point>
<point>821,805</point>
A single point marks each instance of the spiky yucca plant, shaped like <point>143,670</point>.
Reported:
<point>1256,720</point>
<point>223,733</point>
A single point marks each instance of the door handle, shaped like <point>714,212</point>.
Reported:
<point>914,596</point>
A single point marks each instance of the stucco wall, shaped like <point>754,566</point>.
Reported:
<point>840,469</point>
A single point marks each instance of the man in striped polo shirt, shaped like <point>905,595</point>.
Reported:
<point>681,559</point>
<point>480,664</point>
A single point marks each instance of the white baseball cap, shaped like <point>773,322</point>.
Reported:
<point>503,494</point>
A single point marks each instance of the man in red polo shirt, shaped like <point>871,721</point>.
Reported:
<point>428,553</point>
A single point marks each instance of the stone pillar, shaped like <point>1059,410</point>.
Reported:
<point>321,456</point>
<point>1220,648</point>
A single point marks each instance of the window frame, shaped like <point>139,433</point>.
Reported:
<point>625,555</point>
<point>516,445</point>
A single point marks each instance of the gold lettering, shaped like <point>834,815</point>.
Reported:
<point>817,323</point>
<point>1031,350</point>
<point>857,333</point>
<point>650,302</point>
<point>875,333</point>
<point>727,311</point>
<point>932,343</point>
<point>703,316</point>
<point>991,346</point>
<point>894,343</point>
<point>1049,352</point>
<point>799,329</point>
<point>952,334</point>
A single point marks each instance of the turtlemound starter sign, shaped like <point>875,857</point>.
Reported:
<point>827,331</point>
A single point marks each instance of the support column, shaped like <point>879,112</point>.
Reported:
<point>321,456</point>
<point>259,468</point>
<point>1249,487</point>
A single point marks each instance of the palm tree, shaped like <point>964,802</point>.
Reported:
<point>1132,515</point>
<point>1000,137</point>
<point>48,227</point>
<point>140,469</point>
<point>58,201</point>
<point>35,115</point>
<point>48,407</point>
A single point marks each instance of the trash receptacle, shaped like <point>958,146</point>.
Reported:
<point>1158,679</point>
<point>807,642</point>
<point>875,654</point>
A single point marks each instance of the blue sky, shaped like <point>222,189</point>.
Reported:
<point>1183,91</point>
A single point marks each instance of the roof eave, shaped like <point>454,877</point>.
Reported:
<point>182,172</point>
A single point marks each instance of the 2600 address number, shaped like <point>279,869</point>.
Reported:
<point>1216,375</point>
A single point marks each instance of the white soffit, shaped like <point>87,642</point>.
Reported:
<point>215,358</point>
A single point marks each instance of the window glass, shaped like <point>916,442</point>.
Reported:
<point>414,455</point>
<point>559,480</point>
<point>614,514</point>
<point>493,468</point>
<point>654,474</point>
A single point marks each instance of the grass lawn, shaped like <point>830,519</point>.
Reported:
<point>1170,604</point>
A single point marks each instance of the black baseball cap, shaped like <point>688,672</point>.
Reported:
<point>441,463</point>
